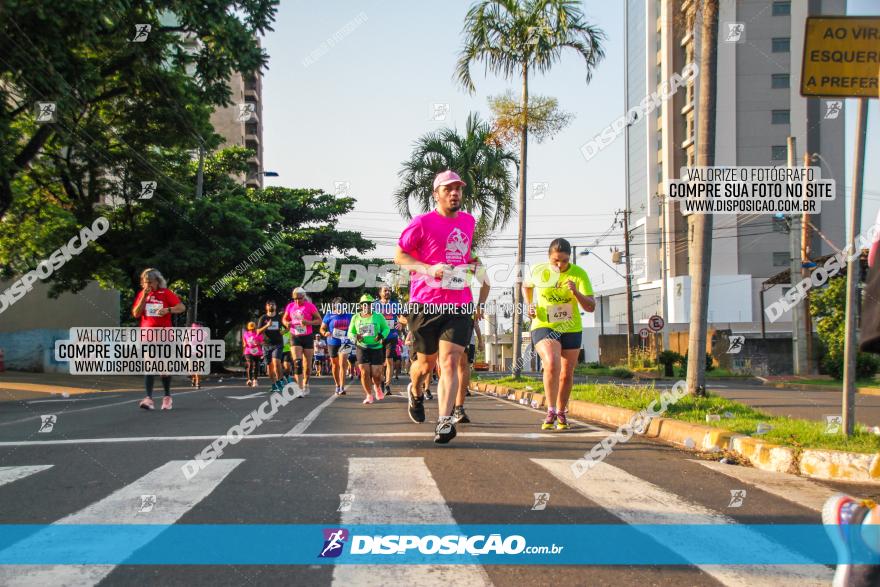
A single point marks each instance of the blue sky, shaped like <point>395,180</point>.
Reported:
<point>353,114</point>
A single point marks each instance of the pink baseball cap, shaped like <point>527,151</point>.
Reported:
<point>447,177</point>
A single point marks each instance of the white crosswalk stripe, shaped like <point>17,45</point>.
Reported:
<point>175,495</point>
<point>10,474</point>
<point>636,501</point>
<point>400,491</point>
<point>789,487</point>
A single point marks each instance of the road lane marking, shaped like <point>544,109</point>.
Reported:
<point>10,474</point>
<point>311,417</point>
<point>636,501</point>
<point>175,496</point>
<point>400,489</point>
<point>67,399</point>
<point>791,488</point>
<point>507,402</point>
<point>66,412</point>
<point>513,435</point>
<point>257,394</point>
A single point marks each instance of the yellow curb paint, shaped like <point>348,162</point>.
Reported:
<point>817,464</point>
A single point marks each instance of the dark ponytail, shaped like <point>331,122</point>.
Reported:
<point>560,245</point>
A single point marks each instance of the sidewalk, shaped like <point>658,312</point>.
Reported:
<point>22,385</point>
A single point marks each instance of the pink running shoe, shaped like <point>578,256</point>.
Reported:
<point>379,394</point>
<point>147,404</point>
<point>369,399</point>
<point>166,402</point>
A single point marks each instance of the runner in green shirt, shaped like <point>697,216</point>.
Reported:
<point>288,362</point>
<point>369,330</point>
<point>555,293</point>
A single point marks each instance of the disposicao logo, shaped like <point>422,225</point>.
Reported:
<point>334,540</point>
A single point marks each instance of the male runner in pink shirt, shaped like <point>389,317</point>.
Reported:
<point>436,248</point>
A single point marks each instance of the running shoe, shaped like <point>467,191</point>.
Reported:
<point>467,393</point>
<point>387,389</point>
<point>416,406</point>
<point>549,421</point>
<point>147,404</point>
<point>445,430</point>
<point>369,399</point>
<point>839,512</point>
<point>377,389</point>
<point>305,391</point>
<point>166,402</point>
<point>459,416</point>
<point>428,394</point>
<point>276,387</point>
<point>562,421</point>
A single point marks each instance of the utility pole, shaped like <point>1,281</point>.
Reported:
<point>629,293</point>
<point>192,307</point>
<point>853,270</point>
<point>805,272</point>
<point>663,290</point>
<point>799,355</point>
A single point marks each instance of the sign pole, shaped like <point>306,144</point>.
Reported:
<point>853,272</point>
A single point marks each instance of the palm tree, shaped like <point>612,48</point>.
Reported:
<point>482,164</point>
<point>512,38</point>
<point>701,224</point>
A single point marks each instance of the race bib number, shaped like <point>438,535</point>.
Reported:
<point>392,321</point>
<point>339,333</point>
<point>273,325</point>
<point>299,329</point>
<point>559,313</point>
<point>455,279</point>
<point>152,308</point>
<point>367,329</point>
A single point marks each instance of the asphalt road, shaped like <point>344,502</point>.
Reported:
<point>103,453</point>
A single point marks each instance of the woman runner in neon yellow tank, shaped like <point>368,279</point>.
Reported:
<point>555,293</point>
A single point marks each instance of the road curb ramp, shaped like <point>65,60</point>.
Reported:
<point>814,463</point>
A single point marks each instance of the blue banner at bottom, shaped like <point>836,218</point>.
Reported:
<point>618,544</point>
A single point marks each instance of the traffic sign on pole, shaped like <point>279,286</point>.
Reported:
<point>841,56</point>
<point>656,323</point>
<point>644,333</point>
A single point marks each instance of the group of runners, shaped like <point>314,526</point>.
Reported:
<point>438,330</point>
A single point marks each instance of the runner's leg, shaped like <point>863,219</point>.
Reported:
<point>308,355</point>
<point>297,352</point>
<point>420,371</point>
<point>569,360</point>
<point>449,356</point>
<point>550,351</point>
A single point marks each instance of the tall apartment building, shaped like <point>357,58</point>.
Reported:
<point>758,107</point>
<point>241,123</point>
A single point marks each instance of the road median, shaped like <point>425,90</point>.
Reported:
<point>814,463</point>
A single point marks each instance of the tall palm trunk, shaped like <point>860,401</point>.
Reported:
<point>521,240</point>
<point>701,224</point>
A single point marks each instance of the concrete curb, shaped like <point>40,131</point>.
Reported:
<point>818,464</point>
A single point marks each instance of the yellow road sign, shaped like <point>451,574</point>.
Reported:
<point>841,56</point>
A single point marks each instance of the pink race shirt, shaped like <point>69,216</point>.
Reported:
<point>296,313</point>
<point>432,239</point>
<point>253,343</point>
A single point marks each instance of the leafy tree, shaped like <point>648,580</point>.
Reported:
<point>484,166</point>
<point>117,101</point>
<point>512,38</point>
<point>240,245</point>
<point>545,119</point>
<point>828,307</point>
